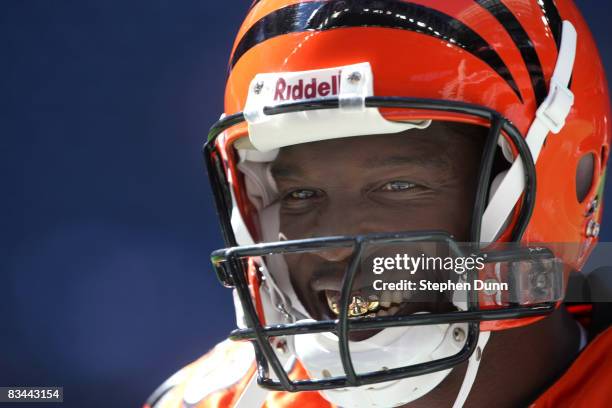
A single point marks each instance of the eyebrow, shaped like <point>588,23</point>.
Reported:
<point>285,171</point>
<point>437,162</point>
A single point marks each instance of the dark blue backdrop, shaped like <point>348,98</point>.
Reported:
<point>106,217</point>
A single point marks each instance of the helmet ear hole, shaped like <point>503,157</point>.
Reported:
<point>584,176</point>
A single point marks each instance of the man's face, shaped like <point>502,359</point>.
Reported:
<point>411,181</point>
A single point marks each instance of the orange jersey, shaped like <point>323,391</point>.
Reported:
<point>217,379</point>
<point>588,382</point>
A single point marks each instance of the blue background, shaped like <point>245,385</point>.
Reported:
<point>106,220</point>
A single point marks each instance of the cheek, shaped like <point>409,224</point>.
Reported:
<point>457,223</point>
<point>449,212</point>
<point>297,227</point>
<point>414,218</point>
<point>301,269</point>
<point>455,211</point>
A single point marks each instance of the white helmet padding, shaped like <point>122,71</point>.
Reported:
<point>351,84</point>
<point>388,349</point>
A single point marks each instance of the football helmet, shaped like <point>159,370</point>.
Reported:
<point>303,72</point>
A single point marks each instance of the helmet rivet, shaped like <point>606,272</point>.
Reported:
<point>258,87</point>
<point>354,77</point>
<point>326,373</point>
<point>478,353</point>
<point>458,334</point>
<point>592,229</point>
<point>282,346</point>
<point>592,207</point>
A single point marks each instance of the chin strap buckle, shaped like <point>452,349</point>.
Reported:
<point>556,107</point>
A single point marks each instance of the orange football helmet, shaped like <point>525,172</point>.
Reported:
<point>303,71</point>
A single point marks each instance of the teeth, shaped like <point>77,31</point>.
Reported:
<point>332,302</point>
<point>389,312</point>
<point>373,303</point>
<point>386,299</point>
<point>358,306</point>
<point>397,296</point>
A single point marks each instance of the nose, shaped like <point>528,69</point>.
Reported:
<point>341,215</point>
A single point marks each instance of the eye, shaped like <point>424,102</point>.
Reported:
<point>301,199</point>
<point>397,186</point>
<point>303,194</point>
<point>400,191</point>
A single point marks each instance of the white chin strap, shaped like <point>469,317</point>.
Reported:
<point>550,117</point>
<point>472,370</point>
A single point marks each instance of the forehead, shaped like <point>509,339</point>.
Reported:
<point>436,146</point>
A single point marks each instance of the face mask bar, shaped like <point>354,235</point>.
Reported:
<point>231,270</point>
<point>228,261</point>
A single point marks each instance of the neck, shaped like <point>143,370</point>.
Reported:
<point>517,365</point>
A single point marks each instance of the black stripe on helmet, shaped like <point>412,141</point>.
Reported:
<point>553,18</point>
<point>522,41</point>
<point>327,15</point>
<point>555,22</point>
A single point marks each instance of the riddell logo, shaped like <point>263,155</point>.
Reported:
<point>300,90</point>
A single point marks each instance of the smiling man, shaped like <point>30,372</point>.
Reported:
<point>456,133</point>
